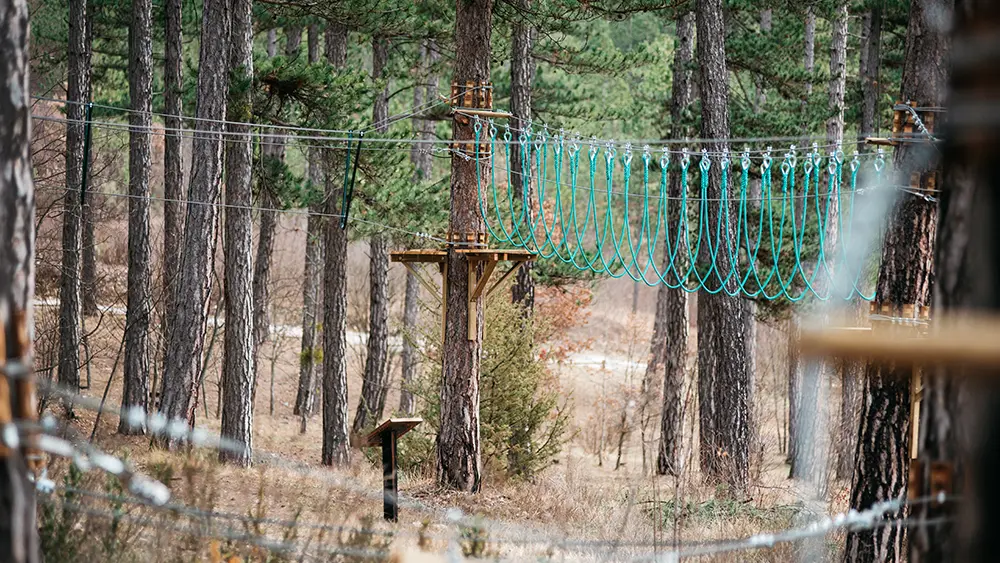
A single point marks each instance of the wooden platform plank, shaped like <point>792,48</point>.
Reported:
<point>399,425</point>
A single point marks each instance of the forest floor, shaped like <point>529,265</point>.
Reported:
<point>593,502</point>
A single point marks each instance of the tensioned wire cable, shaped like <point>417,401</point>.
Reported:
<point>712,244</point>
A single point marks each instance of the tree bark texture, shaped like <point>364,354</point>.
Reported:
<point>135,392</point>
<point>870,69</point>
<point>794,381</point>
<point>422,164</point>
<point>852,373</point>
<point>407,400</point>
<point>69,287</point>
<point>905,277</point>
<point>670,327</point>
<point>173,176</point>
<point>522,72</point>
<point>812,437</point>
<point>725,324</point>
<point>88,248</point>
<point>312,39</point>
<point>312,275</point>
<point>375,382</point>
<point>238,373</point>
<point>272,43</point>
<point>182,367</point>
<point>18,528</point>
<point>293,41</point>
<point>336,446</point>
<point>959,415</point>
<point>838,75</point>
<point>268,199</point>
<point>760,99</point>
<point>311,282</point>
<point>809,44</point>
<point>262,264</point>
<point>459,463</point>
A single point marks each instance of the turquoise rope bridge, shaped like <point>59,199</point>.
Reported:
<point>762,233</point>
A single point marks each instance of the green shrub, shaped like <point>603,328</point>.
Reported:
<point>523,413</point>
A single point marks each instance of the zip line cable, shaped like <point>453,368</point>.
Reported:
<point>339,133</point>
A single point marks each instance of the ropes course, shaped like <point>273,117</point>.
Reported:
<point>755,224</point>
<point>607,211</point>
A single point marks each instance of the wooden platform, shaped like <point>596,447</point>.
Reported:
<point>488,257</point>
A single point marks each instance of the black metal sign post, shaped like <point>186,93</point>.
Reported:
<point>390,485</point>
<point>386,436</point>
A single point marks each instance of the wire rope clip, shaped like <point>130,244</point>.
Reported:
<point>911,122</point>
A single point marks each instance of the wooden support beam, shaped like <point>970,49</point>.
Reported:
<point>444,300</point>
<point>502,278</point>
<point>880,141</point>
<point>484,113</point>
<point>477,283</point>
<point>481,284</point>
<point>419,255</point>
<point>433,289</point>
<point>471,311</point>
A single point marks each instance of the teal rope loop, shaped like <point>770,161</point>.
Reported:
<point>788,241</point>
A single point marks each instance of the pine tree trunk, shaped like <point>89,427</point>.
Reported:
<point>293,41</point>
<point>173,176</point>
<point>311,276</point>
<point>670,327</point>
<point>838,75</point>
<point>725,324</point>
<point>960,406</point>
<point>852,374</point>
<point>459,465</point>
<point>273,150</point>
<point>336,447</point>
<point>19,541</point>
<point>88,248</point>
<point>905,278</point>
<point>312,39</point>
<point>407,401</point>
<point>760,99</point>
<point>812,413</point>
<point>135,392</point>
<point>238,373</point>
<point>182,366</point>
<point>835,134</point>
<point>521,74</point>
<point>794,377</point>
<point>809,59</point>
<point>272,43</point>
<point>871,56</point>
<point>422,164</point>
<point>374,383</point>
<point>69,287</point>
<point>262,263</point>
